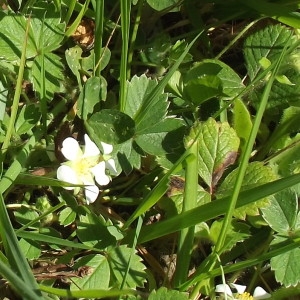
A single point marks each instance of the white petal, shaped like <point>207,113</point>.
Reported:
<point>260,293</point>
<point>240,288</point>
<point>70,149</point>
<point>91,192</point>
<point>99,173</point>
<point>223,288</point>
<point>90,147</point>
<point>111,166</point>
<point>107,148</point>
<point>66,173</point>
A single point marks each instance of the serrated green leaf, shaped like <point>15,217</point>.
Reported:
<point>45,32</point>
<point>66,216</point>
<point>94,90</point>
<point>265,44</point>
<point>98,275</point>
<point>53,74</point>
<point>111,126</point>
<point>218,145</point>
<point>30,249</point>
<point>281,214</point>
<point>129,156</point>
<point>92,231</point>
<point>164,294</point>
<point>146,115</point>
<point>118,259</point>
<point>11,44</point>
<point>286,265</point>
<point>256,174</point>
<point>237,232</point>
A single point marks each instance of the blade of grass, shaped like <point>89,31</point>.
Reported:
<point>14,254</point>
<point>246,156</point>
<point>125,28</point>
<point>99,20</point>
<point>211,210</point>
<point>186,237</point>
<point>282,248</point>
<point>21,287</point>
<point>155,194</point>
<point>86,294</point>
<point>72,28</point>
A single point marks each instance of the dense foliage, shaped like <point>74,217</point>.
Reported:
<point>150,149</point>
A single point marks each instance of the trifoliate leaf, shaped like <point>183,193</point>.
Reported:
<point>218,146</point>
<point>119,258</point>
<point>256,174</point>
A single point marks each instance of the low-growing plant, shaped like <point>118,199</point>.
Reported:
<point>150,149</point>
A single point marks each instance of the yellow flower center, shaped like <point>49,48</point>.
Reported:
<point>83,165</point>
<point>245,296</point>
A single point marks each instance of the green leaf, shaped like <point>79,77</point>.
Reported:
<point>27,118</point>
<point>256,174</point>
<point>218,145</point>
<point>286,265</point>
<point>119,258</point>
<point>53,74</point>
<point>31,249</point>
<point>164,294</point>
<point>92,231</point>
<point>265,44</point>
<point>237,232</point>
<point>211,78</point>
<point>242,122</point>
<point>66,216</point>
<point>24,215</point>
<point>98,273</point>
<point>111,126</point>
<point>162,4</point>
<point>94,90</point>
<point>202,83</point>
<point>146,115</point>
<point>165,137</point>
<point>281,214</point>
<point>45,32</point>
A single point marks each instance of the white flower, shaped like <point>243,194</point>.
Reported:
<point>259,293</point>
<point>84,167</point>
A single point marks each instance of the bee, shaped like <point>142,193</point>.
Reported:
<point>84,35</point>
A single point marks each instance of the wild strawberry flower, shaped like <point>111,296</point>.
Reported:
<point>259,292</point>
<point>84,167</point>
